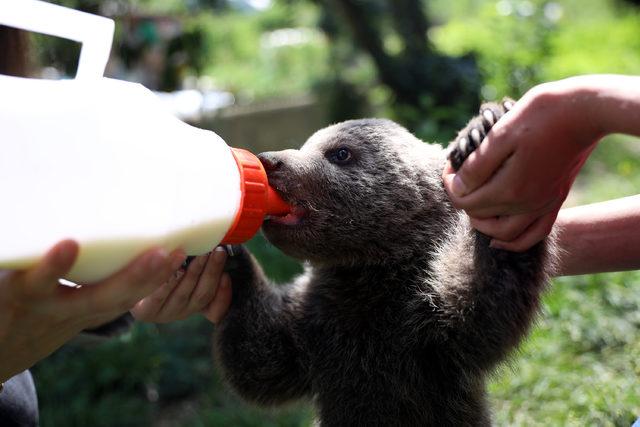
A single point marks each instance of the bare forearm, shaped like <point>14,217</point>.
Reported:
<point>599,238</point>
<point>594,105</point>
<point>617,103</point>
<point>604,237</point>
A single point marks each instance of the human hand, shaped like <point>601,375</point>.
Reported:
<point>38,315</point>
<point>513,185</point>
<point>201,288</point>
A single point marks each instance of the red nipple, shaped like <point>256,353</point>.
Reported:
<point>275,204</point>
<point>257,199</point>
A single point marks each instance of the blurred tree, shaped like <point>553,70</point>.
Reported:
<point>394,35</point>
<point>520,44</point>
<point>15,47</point>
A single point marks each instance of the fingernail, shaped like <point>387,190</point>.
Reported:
<point>495,244</point>
<point>64,255</point>
<point>157,259</point>
<point>458,187</point>
<point>448,169</point>
<point>177,259</point>
<point>219,249</point>
<point>219,256</point>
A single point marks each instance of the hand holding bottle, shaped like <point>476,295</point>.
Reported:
<point>200,288</point>
<point>38,315</point>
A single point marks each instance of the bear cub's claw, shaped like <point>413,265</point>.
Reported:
<point>473,134</point>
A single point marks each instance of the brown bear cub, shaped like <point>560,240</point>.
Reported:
<point>403,310</point>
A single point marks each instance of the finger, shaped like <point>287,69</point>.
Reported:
<point>148,308</point>
<point>142,283</point>
<point>124,289</point>
<point>504,228</point>
<point>481,163</point>
<point>502,195</point>
<point>175,306</point>
<point>43,278</point>
<point>509,227</point>
<point>448,170</point>
<point>209,280</point>
<point>217,310</point>
<point>534,234</point>
<point>476,204</point>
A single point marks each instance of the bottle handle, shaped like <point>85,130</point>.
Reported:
<point>94,32</point>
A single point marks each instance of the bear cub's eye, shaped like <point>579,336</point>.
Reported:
<point>340,155</point>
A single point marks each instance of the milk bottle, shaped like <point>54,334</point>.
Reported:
<point>100,161</point>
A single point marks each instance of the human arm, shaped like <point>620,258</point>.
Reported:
<point>599,238</point>
<point>514,184</point>
<point>37,315</point>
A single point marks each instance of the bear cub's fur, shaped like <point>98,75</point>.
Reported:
<point>403,309</point>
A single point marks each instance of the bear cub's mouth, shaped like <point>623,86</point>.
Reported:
<point>297,215</point>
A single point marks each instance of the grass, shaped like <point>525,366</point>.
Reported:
<point>580,365</point>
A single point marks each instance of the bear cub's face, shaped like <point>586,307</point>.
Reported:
<point>360,190</point>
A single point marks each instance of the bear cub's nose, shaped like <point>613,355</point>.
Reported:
<point>270,161</point>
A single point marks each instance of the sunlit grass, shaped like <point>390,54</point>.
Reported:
<point>580,365</point>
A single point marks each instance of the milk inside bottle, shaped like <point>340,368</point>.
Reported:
<point>101,161</point>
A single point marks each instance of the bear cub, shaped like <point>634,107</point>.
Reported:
<point>403,310</point>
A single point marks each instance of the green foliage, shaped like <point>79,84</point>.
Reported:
<point>235,49</point>
<point>509,49</point>
<point>227,411</point>
<point>518,47</point>
<point>50,51</point>
<point>244,58</point>
<point>382,64</point>
<point>580,366</point>
<point>78,386</point>
<point>605,46</point>
<point>610,172</point>
<point>139,378</point>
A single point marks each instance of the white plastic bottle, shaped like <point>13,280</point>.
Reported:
<point>101,161</point>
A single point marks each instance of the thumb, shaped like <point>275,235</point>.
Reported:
<point>43,277</point>
<point>480,165</point>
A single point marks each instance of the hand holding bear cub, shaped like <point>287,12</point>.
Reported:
<point>514,185</point>
<point>403,309</point>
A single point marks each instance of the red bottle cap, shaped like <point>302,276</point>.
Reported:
<point>257,199</point>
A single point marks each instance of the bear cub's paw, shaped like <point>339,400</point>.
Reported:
<point>240,265</point>
<point>473,134</point>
